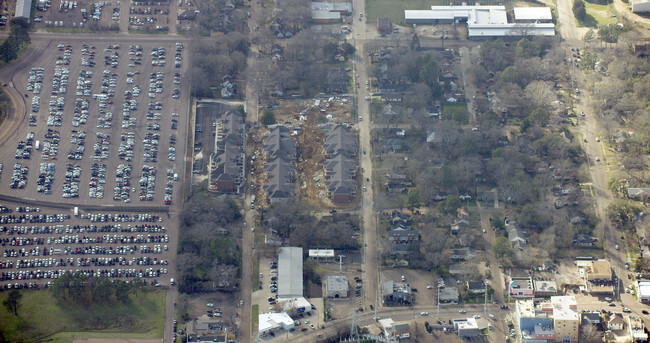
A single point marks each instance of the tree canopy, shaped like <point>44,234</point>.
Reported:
<point>579,9</point>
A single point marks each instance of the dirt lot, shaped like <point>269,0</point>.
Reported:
<point>310,123</point>
<point>567,275</point>
<point>417,279</point>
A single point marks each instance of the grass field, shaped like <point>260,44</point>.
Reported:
<point>598,15</point>
<point>41,317</point>
<point>457,112</point>
<point>395,9</point>
<point>320,270</point>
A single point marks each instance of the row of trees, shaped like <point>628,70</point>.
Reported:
<point>18,37</point>
<point>215,59</point>
<point>78,288</point>
<point>209,257</point>
<point>295,221</point>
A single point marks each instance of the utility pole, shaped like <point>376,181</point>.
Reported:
<point>438,303</point>
<point>376,296</point>
<point>485,305</point>
<point>509,281</point>
<point>340,262</point>
<point>354,333</point>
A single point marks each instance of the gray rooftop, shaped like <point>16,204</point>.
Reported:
<point>23,8</point>
<point>336,283</point>
<point>290,272</point>
<point>340,140</point>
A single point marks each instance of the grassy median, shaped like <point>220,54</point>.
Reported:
<point>255,317</point>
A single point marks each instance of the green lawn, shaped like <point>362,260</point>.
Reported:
<point>395,9</point>
<point>320,270</point>
<point>598,15</point>
<point>41,317</point>
<point>457,112</point>
<point>255,317</point>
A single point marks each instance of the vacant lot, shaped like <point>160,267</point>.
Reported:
<point>598,15</point>
<point>41,316</point>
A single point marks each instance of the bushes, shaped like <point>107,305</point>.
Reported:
<point>579,9</point>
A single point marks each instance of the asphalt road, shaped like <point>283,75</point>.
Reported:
<point>597,162</point>
<point>368,216</point>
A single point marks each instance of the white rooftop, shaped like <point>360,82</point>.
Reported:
<point>565,307</point>
<point>270,321</point>
<point>643,289</point>
<point>290,272</point>
<point>291,304</point>
<point>526,308</point>
<point>486,21</point>
<point>532,13</point>
<point>322,253</point>
<point>469,323</point>
<point>492,30</point>
<point>386,323</point>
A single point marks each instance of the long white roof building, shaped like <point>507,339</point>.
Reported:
<point>290,273</point>
<point>485,21</point>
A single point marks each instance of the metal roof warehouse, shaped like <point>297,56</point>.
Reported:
<point>290,272</point>
<point>485,21</point>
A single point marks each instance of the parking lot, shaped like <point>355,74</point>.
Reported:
<point>103,131</point>
<point>103,126</point>
<point>39,244</point>
<point>264,296</point>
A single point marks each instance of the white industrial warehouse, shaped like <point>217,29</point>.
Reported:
<point>289,273</point>
<point>487,21</point>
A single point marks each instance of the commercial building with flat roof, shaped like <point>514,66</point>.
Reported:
<point>643,290</point>
<point>271,322</point>
<point>482,21</point>
<point>329,12</point>
<point>321,254</point>
<point>556,320</point>
<point>520,287</point>
<point>533,14</point>
<point>294,306</point>
<point>466,327</point>
<point>544,288</point>
<point>290,273</point>
<point>393,329</point>
<point>336,286</point>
